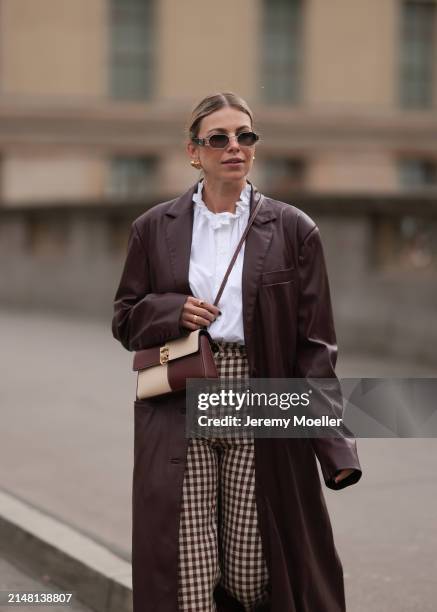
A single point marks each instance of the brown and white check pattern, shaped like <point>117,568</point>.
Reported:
<point>219,540</point>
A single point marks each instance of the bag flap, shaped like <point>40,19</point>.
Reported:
<point>146,358</point>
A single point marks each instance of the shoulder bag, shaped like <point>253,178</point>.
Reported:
<point>164,369</point>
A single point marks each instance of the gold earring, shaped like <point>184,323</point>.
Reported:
<point>196,164</point>
<point>253,157</point>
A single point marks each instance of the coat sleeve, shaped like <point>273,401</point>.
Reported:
<point>316,354</point>
<point>143,319</point>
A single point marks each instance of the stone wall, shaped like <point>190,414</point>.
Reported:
<point>381,254</point>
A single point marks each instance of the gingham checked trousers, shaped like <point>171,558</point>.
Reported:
<point>219,540</point>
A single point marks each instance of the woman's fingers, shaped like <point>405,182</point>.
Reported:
<point>201,312</point>
<point>198,316</point>
<point>198,313</point>
<point>195,319</point>
<point>197,303</point>
<point>201,309</point>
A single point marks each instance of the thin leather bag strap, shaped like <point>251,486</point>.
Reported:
<point>237,250</point>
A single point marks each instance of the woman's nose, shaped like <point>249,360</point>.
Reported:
<point>233,142</point>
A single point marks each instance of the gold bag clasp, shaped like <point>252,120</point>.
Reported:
<point>163,354</point>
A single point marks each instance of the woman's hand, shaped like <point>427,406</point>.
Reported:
<point>198,313</point>
<point>343,474</point>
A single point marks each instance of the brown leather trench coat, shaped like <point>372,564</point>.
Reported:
<point>289,332</point>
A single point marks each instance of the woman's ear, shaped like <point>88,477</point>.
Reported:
<point>194,154</point>
<point>191,150</point>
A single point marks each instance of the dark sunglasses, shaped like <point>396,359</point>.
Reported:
<point>220,141</point>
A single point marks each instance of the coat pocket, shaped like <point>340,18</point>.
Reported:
<point>275,277</point>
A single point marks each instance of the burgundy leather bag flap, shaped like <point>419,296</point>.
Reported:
<point>180,348</point>
<point>146,358</point>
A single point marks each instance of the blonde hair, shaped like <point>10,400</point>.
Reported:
<point>213,103</point>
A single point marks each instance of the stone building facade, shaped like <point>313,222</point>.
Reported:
<point>95,94</point>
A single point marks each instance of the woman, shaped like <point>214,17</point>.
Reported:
<point>235,524</point>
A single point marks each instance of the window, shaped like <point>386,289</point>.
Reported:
<point>418,173</point>
<point>405,242</point>
<point>282,53</point>
<point>284,174</point>
<point>132,176</point>
<point>418,53</point>
<point>131,49</point>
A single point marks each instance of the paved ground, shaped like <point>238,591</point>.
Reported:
<point>66,446</point>
<point>17,581</point>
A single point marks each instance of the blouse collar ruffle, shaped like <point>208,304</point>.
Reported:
<point>217,220</point>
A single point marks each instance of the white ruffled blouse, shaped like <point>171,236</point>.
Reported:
<point>215,238</point>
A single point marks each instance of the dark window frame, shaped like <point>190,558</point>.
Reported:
<point>282,62</point>
<point>131,176</point>
<point>418,54</point>
<point>132,49</point>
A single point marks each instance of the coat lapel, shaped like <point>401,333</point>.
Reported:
<point>179,231</point>
<point>255,249</point>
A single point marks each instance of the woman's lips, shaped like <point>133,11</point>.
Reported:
<point>233,163</point>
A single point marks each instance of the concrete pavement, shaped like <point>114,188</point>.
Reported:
<point>66,448</point>
<point>57,553</point>
<point>18,580</point>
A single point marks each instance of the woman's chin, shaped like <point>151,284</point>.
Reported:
<point>237,173</point>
